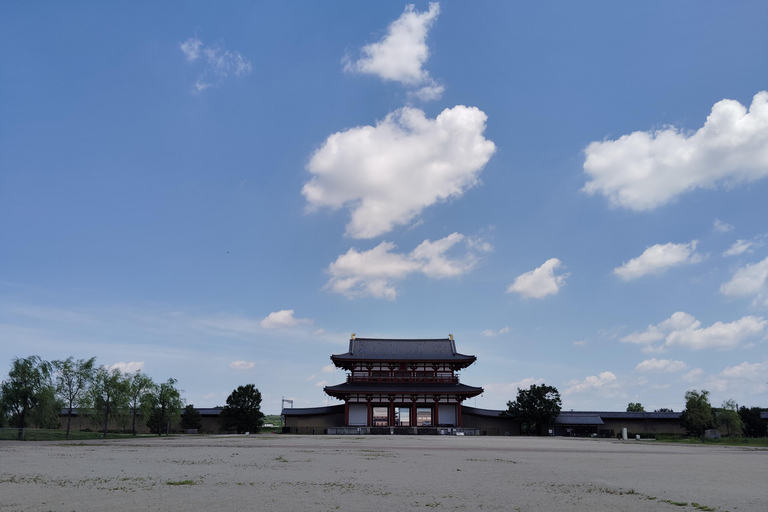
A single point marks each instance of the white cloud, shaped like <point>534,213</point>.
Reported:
<point>750,280</point>
<point>428,92</point>
<point>131,367</point>
<point>242,365</point>
<point>400,55</point>
<point>658,258</point>
<point>644,170</point>
<point>604,381</point>
<point>490,333</point>
<point>580,343</point>
<point>661,365</point>
<point>721,227</point>
<point>330,368</point>
<point>282,318</point>
<point>375,272</point>
<point>540,282</point>
<point>502,392</point>
<point>747,371</point>
<point>388,173</point>
<point>218,63</point>
<point>321,383</point>
<point>693,375</point>
<point>682,329</point>
<point>739,247</point>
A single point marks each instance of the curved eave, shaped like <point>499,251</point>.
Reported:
<point>345,389</point>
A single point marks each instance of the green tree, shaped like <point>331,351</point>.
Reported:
<point>754,426</point>
<point>191,419</point>
<point>635,407</point>
<point>728,417</point>
<point>535,408</point>
<point>71,379</point>
<point>162,407</point>
<point>697,415</point>
<point>108,395</point>
<point>139,386</point>
<point>243,410</point>
<point>28,388</point>
<point>664,409</point>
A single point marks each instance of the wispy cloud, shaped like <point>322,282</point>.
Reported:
<point>375,272</point>
<point>281,319</point>
<point>242,365</point>
<point>217,63</point>
<point>749,281</point>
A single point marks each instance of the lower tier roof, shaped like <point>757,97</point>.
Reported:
<point>402,388</point>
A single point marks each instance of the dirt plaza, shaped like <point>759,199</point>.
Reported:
<point>377,473</point>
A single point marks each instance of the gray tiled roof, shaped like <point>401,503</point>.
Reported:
<point>578,419</point>
<point>374,349</point>
<point>309,411</point>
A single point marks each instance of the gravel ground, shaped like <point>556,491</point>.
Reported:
<point>319,473</point>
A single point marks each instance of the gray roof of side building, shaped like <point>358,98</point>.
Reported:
<point>375,349</point>
<point>310,411</point>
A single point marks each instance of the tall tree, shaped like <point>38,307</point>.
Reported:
<point>754,426</point>
<point>728,417</point>
<point>243,410</point>
<point>162,406</point>
<point>635,407</point>
<point>697,415</point>
<point>27,388</point>
<point>139,386</point>
<point>191,419</point>
<point>108,394</point>
<point>71,379</point>
<point>535,408</point>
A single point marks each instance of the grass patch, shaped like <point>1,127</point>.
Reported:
<point>39,434</point>
<point>702,507</point>
<point>180,482</point>
<point>676,503</point>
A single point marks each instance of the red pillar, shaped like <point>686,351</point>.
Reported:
<point>436,419</point>
<point>370,413</point>
<point>346,412</point>
<point>391,413</point>
<point>458,413</point>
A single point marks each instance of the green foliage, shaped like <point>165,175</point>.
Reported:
<point>754,426</point>
<point>728,418</point>
<point>162,407</point>
<point>697,415</point>
<point>191,419</point>
<point>27,388</point>
<point>72,379</point>
<point>243,410</point>
<point>107,396</point>
<point>535,408</point>
<point>635,407</point>
<point>139,385</point>
<point>664,409</point>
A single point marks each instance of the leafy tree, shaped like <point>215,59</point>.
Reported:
<point>535,408</point>
<point>697,415</point>
<point>108,395</point>
<point>27,388</point>
<point>162,406</point>
<point>72,379</point>
<point>754,426</point>
<point>191,419</point>
<point>139,385</point>
<point>243,410</point>
<point>635,407</point>
<point>664,409</point>
<point>728,417</point>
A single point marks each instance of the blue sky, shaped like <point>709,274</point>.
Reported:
<point>222,194</point>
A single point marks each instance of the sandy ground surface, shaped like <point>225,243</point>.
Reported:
<point>377,473</point>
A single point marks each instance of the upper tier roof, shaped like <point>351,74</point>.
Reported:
<point>376,349</point>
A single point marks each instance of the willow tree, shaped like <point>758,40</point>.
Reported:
<point>71,379</point>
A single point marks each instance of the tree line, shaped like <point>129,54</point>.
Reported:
<point>38,392</point>
<point>537,407</point>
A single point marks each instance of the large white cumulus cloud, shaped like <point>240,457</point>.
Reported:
<point>644,170</point>
<point>388,173</point>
